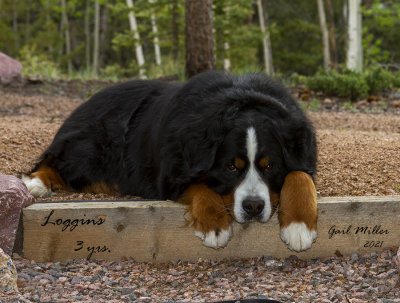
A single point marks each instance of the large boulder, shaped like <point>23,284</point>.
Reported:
<point>10,70</point>
<point>13,197</point>
<point>8,274</point>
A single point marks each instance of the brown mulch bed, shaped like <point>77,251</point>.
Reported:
<point>359,154</point>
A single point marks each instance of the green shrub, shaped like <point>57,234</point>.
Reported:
<point>323,81</point>
<point>347,84</point>
<point>37,66</point>
<point>396,82</point>
<point>113,72</point>
<point>169,67</point>
<point>295,79</point>
<point>379,79</point>
<point>351,84</point>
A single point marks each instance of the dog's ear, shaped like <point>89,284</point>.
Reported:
<point>188,155</point>
<point>297,139</point>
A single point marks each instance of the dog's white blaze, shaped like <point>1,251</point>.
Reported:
<point>252,185</point>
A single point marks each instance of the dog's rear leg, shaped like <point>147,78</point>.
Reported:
<point>43,181</point>
<point>298,211</point>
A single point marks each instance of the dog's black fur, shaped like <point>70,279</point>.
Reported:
<point>153,139</point>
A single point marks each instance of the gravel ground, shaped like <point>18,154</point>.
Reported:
<point>359,154</point>
<point>369,278</point>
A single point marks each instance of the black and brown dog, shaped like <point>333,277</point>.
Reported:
<point>232,148</point>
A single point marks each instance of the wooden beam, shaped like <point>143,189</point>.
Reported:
<point>154,231</point>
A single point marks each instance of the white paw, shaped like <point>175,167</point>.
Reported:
<point>215,240</point>
<point>36,187</point>
<point>297,236</point>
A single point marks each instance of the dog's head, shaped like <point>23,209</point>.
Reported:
<point>239,136</point>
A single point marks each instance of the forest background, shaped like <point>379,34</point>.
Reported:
<point>95,39</point>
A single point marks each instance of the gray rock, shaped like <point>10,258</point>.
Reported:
<point>397,259</point>
<point>75,280</point>
<point>10,70</point>
<point>354,257</point>
<point>13,197</point>
<point>127,290</point>
<point>8,274</point>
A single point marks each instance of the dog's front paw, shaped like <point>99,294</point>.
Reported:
<point>215,238</point>
<point>209,215</point>
<point>297,236</point>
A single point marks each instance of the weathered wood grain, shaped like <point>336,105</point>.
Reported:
<point>154,231</point>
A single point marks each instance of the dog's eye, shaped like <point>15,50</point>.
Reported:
<point>269,167</point>
<point>232,168</point>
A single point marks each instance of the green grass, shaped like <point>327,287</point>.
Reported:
<point>251,68</point>
<point>312,105</point>
<point>348,106</point>
<point>169,67</point>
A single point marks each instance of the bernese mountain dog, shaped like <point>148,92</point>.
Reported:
<point>230,147</point>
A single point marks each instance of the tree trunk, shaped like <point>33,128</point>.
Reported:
<point>96,37</point>
<point>67,36</point>
<point>28,21</point>
<point>331,25</point>
<point>199,37</point>
<point>219,34</point>
<point>346,11</point>
<point>103,33</point>
<point>175,29</point>
<point>325,38</point>
<point>87,34</point>
<point>354,50</point>
<point>139,50</point>
<point>15,24</point>
<point>267,51</point>
<point>227,61</point>
<point>15,18</point>
<point>156,42</point>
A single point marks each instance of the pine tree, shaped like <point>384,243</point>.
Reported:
<point>199,37</point>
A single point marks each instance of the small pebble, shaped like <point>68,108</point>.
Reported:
<point>354,257</point>
<point>75,280</point>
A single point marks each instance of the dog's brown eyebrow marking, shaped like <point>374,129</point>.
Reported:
<point>239,163</point>
<point>264,161</point>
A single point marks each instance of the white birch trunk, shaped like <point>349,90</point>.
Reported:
<point>354,50</point>
<point>325,37</point>
<point>96,37</point>
<point>227,61</point>
<point>67,36</point>
<point>87,35</point>
<point>138,46</point>
<point>269,69</point>
<point>156,42</point>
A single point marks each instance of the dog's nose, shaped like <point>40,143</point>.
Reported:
<point>253,206</point>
